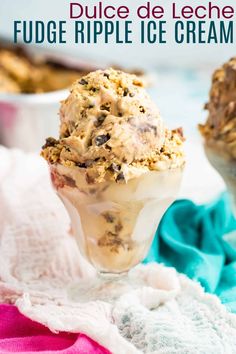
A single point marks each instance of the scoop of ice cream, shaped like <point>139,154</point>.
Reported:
<point>109,115</point>
<point>220,128</point>
<point>111,127</point>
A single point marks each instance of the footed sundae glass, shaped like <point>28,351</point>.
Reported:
<point>114,224</point>
<point>117,168</point>
<point>226,166</point>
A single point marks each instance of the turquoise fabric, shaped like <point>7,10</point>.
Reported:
<point>194,240</point>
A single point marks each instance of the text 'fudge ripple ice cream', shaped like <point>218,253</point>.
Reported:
<point>219,131</point>
<point>115,166</point>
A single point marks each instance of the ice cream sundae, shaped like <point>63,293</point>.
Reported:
<point>219,131</point>
<point>115,166</point>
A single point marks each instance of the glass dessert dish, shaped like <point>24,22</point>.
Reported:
<point>114,224</point>
<point>116,168</point>
<point>226,167</point>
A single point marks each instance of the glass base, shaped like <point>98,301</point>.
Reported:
<point>106,287</point>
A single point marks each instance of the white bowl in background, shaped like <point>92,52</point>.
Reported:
<point>27,119</point>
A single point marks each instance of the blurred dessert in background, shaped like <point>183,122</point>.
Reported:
<point>115,166</point>
<point>219,131</point>
<point>22,73</point>
<point>7,83</point>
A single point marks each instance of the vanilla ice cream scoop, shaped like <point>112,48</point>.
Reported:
<point>109,114</point>
<point>111,127</point>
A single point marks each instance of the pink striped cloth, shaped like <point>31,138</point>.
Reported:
<point>18,334</point>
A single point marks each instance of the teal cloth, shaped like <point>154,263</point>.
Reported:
<point>192,239</point>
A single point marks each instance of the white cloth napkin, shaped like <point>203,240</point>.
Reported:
<point>39,260</point>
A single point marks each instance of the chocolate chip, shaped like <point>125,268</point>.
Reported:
<point>89,143</point>
<point>106,75</point>
<point>120,177</point>
<point>141,109</point>
<point>49,142</point>
<point>66,134</point>
<point>120,114</point>
<point>114,167</point>
<point>94,89</point>
<point>107,147</point>
<point>83,82</point>
<point>126,91</point>
<point>100,120</point>
<point>131,94</point>
<point>108,217</point>
<point>105,107</point>
<point>81,164</point>
<point>102,139</point>
<point>91,105</point>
